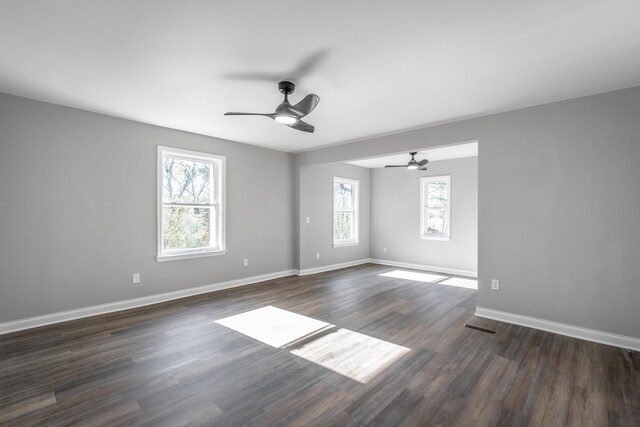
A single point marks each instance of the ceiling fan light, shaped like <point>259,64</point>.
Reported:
<point>286,120</point>
<point>412,166</point>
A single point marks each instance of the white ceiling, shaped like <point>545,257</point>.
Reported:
<point>378,66</point>
<point>433,155</point>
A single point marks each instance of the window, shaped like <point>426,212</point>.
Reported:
<point>435,205</point>
<point>345,212</point>
<point>190,204</point>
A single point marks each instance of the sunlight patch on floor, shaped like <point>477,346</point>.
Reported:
<point>460,283</point>
<point>437,279</point>
<point>412,275</point>
<point>273,326</point>
<point>354,355</point>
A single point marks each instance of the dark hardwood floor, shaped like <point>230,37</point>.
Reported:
<point>172,364</point>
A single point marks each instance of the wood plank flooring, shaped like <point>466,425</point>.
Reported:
<point>172,364</point>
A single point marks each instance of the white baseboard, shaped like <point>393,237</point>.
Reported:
<point>48,319</point>
<point>445,270</point>
<point>330,267</point>
<point>64,316</point>
<point>561,328</point>
<point>324,268</point>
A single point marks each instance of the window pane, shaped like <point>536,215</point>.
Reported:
<point>343,226</point>
<point>187,228</point>
<point>186,181</point>
<point>436,221</point>
<point>343,196</point>
<point>437,194</point>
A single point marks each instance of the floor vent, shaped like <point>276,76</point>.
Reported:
<point>477,328</point>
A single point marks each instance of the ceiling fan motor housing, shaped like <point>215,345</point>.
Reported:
<point>286,87</point>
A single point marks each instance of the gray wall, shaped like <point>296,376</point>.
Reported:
<point>558,206</point>
<point>395,216</point>
<point>316,202</point>
<point>78,203</point>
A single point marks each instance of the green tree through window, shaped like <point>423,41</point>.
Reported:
<point>345,202</point>
<point>191,198</point>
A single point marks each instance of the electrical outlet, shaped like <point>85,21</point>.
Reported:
<point>384,249</point>
<point>317,255</point>
<point>246,262</point>
<point>495,284</point>
<point>308,220</point>
<point>135,278</point>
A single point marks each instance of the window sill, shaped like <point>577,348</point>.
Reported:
<point>163,258</point>
<point>340,245</point>
<point>437,238</point>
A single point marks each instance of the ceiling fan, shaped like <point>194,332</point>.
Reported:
<point>287,114</point>
<point>413,163</point>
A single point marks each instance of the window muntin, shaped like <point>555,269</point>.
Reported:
<point>345,211</point>
<point>190,204</point>
<point>435,207</point>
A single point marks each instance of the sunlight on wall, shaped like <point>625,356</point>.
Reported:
<point>354,355</point>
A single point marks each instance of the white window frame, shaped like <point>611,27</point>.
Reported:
<point>424,182</point>
<point>218,201</point>
<point>356,212</point>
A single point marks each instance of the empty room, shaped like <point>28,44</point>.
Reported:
<point>290,213</point>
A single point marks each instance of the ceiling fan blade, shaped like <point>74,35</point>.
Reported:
<point>300,125</point>
<point>249,114</point>
<point>309,64</point>
<point>395,166</point>
<point>422,168</point>
<point>266,77</point>
<point>306,106</point>
<point>423,162</point>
